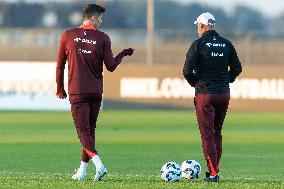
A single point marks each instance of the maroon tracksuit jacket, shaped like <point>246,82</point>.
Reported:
<point>86,50</point>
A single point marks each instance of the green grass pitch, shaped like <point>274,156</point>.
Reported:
<point>41,149</point>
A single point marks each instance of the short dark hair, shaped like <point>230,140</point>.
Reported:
<point>93,10</point>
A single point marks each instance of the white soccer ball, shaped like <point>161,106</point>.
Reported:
<point>171,172</point>
<point>190,169</point>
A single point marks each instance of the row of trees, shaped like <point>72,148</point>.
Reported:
<point>132,14</point>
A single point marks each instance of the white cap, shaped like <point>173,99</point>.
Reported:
<point>204,19</point>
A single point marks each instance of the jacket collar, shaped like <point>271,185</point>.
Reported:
<point>88,26</point>
<point>209,33</point>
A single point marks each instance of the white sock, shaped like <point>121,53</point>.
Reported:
<point>83,167</point>
<point>212,176</point>
<point>97,161</point>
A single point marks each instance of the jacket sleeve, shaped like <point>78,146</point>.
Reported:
<point>110,62</point>
<point>191,64</point>
<point>234,64</point>
<point>61,61</point>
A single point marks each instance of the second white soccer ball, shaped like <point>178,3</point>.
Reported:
<point>190,169</point>
<point>171,172</point>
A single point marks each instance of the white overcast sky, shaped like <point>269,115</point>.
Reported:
<point>268,7</point>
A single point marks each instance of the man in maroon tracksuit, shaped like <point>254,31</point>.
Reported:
<point>86,49</point>
<point>206,69</point>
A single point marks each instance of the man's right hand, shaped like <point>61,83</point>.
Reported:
<point>128,52</point>
<point>61,93</point>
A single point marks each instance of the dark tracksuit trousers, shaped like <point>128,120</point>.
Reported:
<point>211,110</point>
<point>85,109</point>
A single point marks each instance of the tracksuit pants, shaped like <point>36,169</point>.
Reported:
<point>211,110</point>
<point>85,110</point>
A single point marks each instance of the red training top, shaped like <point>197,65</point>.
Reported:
<point>86,49</point>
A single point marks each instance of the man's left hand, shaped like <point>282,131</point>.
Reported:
<point>128,52</point>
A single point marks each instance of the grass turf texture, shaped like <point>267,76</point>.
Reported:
<point>41,149</point>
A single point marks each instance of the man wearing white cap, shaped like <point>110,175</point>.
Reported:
<point>211,64</point>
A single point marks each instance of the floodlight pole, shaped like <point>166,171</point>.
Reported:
<point>150,31</point>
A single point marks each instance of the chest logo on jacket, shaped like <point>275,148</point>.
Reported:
<point>88,41</point>
<point>215,44</point>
